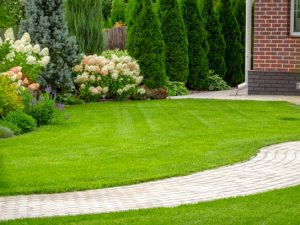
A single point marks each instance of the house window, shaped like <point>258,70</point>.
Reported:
<point>295,18</point>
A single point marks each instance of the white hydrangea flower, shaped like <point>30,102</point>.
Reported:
<point>10,55</point>
<point>92,78</point>
<point>20,47</point>
<point>105,90</point>
<point>141,91</point>
<point>9,35</point>
<point>120,91</point>
<point>28,48</point>
<point>82,86</point>
<point>36,49</point>
<point>31,60</point>
<point>45,61</point>
<point>25,38</point>
<point>44,52</point>
<point>115,76</point>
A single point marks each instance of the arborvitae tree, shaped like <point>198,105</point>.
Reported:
<point>240,13</point>
<point>215,39</point>
<point>85,22</point>
<point>234,51</point>
<point>175,38</point>
<point>198,46</point>
<point>145,43</point>
<point>133,9</point>
<point>45,22</point>
<point>117,12</point>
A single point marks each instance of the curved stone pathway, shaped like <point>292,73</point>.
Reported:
<point>276,166</point>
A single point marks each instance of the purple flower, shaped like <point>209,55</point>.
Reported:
<point>60,106</point>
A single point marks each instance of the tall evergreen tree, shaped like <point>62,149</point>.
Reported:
<point>234,51</point>
<point>198,46</point>
<point>133,9</point>
<point>85,22</point>
<point>215,38</point>
<point>117,12</point>
<point>240,13</point>
<point>145,43</point>
<point>45,22</point>
<point>175,38</point>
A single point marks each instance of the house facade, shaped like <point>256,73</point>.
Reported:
<point>276,53</point>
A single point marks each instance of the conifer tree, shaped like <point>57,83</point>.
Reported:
<point>240,13</point>
<point>45,22</point>
<point>215,39</point>
<point>234,51</point>
<point>85,23</point>
<point>198,46</point>
<point>175,38</point>
<point>117,12</point>
<point>145,43</point>
<point>133,9</point>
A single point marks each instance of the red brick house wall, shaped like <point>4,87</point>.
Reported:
<point>276,58</point>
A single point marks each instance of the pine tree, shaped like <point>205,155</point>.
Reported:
<point>117,12</point>
<point>145,43</point>
<point>234,52</point>
<point>85,22</point>
<point>45,22</point>
<point>175,38</point>
<point>215,38</point>
<point>198,46</point>
<point>240,13</point>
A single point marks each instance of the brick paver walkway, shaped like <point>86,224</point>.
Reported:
<point>277,166</point>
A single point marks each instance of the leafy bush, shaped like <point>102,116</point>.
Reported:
<point>116,77</point>
<point>119,53</point>
<point>216,83</point>
<point>9,98</point>
<point>69,99</point>
<point>5,132</point>
<point>13,127</point>
<point>20,57</point>
<point>24,121</point>
<point>176,88</point>
<point>157,93</point>
<point>42,109</point>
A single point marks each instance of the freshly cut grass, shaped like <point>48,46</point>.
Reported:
<point>119,143</point>
<point>281,207</point>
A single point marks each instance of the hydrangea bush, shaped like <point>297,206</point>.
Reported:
<point>112,76</point>
<point>21,61</point>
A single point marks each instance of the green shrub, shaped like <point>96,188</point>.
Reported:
<point>198,45</point>
<point>109,53</point>
<point>5,132</point>
<point>176,88</point>
<point>42,110</point>
<point>175,38</point>
<point>215,38</point>
<point>216,83</point>
<point>24,121</point>
<point>117,12</point>
<point>145,43</point>
<point>85,22</point>
<point>234,49</point>
<point>13,127</point>
<point>9,98</point>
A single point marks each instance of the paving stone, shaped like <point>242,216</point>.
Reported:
<point>274,167</point>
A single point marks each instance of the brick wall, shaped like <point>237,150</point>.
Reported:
<point>274,48</point>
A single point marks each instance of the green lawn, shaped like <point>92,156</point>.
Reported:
<point>118,143</point>
<point>280,207</point>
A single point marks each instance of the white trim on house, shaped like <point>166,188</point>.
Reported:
<point>292,20</point>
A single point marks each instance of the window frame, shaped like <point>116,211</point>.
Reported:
<point>293,33</point>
